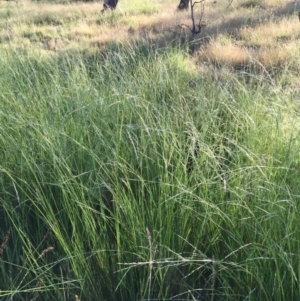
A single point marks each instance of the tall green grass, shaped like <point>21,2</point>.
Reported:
<point>151,180</point>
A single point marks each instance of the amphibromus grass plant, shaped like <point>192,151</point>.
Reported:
<point>143,174</point>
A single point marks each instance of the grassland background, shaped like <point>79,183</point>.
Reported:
<point>137,163</point>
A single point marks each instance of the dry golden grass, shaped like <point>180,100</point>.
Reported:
<point>268,34</point>
<point>278,55</point>
<point>235,34</point>
<point>223,50</point>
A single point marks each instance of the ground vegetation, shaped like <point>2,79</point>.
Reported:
<point>139,161</point>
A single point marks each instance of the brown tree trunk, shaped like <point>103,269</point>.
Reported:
<point>184,4</point>
<point>110,4</point>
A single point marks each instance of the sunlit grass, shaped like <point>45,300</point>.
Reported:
<point>271,33</point>
<point>146,178</point>
<point>133,170</point>
<point>252,29</point>
<point>224,50</point>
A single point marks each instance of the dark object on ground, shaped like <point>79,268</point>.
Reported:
<point>184,4</point>
<point>110,4</point>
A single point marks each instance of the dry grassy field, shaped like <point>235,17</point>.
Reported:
<point>265,32</point>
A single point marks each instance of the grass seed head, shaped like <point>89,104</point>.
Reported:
<point>46,250</point>
<point>77,298</point>
<point>5,240</point>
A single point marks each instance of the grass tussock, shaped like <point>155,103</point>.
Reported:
<point>141,163</point>
<point>141,186</point>
<point>224,50</point>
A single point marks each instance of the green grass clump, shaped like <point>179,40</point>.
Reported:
<point>130,175</point>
